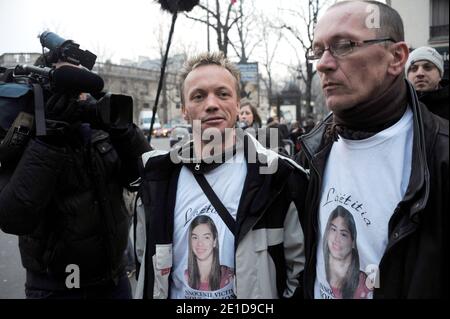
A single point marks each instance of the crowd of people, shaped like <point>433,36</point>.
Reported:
<point>354,206</point>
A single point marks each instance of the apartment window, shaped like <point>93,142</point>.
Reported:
<point>439,20</point>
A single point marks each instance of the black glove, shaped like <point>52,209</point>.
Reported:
<point>63,107</point>
<point>63,115</point>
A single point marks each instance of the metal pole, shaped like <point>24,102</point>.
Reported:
<point>207,25</point>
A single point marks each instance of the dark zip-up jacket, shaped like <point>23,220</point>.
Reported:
<point>66,205</point>
<point>415,263</point>
<point>268,240</point>
<point>437,101</point>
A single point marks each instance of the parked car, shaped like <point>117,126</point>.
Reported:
<point>145,119</point>
<point>163,131</point>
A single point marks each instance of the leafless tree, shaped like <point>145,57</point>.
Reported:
<point>247,30</point>
<point>219,19</point>
<point>102,52</point>
<point>303,33</point>
<point>270,39</point>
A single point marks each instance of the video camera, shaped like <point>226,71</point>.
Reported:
<point>28,84</point>
<point>66,50</point>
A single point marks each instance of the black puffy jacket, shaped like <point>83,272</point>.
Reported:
<point>437,101</point>
<point>67,206</point>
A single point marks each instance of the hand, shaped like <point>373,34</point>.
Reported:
<point>63,107</point>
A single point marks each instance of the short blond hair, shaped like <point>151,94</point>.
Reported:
<point>209,58</point>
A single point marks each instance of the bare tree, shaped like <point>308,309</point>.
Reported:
<point>103,53</point>
<point>304,34</point>
<point>246,25</point>
<point>221,21</point>
<point>270,38</point>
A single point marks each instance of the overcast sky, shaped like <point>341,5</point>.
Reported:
<point>116,29</point>
<point>110,28</point>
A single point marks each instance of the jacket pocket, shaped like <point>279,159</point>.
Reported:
<point>162,265</point>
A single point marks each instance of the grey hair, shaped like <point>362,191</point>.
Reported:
<point>391,24</point>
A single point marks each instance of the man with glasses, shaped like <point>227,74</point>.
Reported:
<point>379,155</point>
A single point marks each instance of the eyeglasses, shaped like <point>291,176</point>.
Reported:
<point>342,48</point>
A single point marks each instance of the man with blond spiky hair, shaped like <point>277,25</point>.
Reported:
<point>218,221</point>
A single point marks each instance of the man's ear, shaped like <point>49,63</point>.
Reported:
<point>400,54</point>
<point>185,114</point>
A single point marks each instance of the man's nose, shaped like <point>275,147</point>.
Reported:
<point>212,103</point>
<point>420,72</point>
<point>326,63</point>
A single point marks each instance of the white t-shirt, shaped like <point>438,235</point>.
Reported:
<point>364,180</point>
<point>193,207</point>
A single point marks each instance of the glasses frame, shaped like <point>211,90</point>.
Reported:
<point>353,44</point>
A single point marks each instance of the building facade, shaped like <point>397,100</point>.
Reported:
<point>426,24</point>
<point>140,83</point>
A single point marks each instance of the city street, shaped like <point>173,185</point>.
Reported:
<point>12,274</point>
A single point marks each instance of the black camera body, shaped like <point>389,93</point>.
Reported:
<point>102,110</point>
<point>66,50</point>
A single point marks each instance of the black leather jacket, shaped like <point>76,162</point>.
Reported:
<point>437,101</point>
<point>415,263</point>
<point>67,206</point>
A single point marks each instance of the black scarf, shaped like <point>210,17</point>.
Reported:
<point>370,117</point>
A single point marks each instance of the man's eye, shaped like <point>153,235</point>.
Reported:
<point>341,46</point>
<point>318,51</point>
<point>197,97</point>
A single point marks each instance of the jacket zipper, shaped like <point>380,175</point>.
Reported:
<point>314,208</point>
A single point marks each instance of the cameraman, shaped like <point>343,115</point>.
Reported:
<point>64,200</point>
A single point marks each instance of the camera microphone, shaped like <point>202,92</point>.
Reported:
<point>243,125</point>
<point>174,6</point>
<point>65,78</point>
<point>68,78</point>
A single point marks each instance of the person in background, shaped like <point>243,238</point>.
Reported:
<point>425,69</point>
<point>248,116</point>
<point>296,132</point>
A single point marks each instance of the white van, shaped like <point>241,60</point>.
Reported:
<point>145,119</point>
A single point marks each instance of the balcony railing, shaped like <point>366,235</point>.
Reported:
<point>439,31</point>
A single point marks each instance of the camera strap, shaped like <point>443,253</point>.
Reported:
<point>215,201</point>
<point>39,112</point>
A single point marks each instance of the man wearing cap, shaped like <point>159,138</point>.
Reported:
<point>424,69</point>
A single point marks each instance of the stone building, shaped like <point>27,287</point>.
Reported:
<point>142,85</point>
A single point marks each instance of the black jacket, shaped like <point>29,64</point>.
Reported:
<point>67,206</point>
<point>415,263</point>
<point>437,101</point>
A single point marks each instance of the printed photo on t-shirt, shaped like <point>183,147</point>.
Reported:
<point>205,276</point>
<point>344,278</point>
